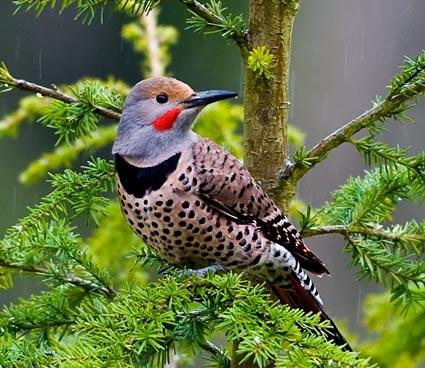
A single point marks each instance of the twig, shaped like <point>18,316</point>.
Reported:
<point>202,11</point>
<point>153,52</point>
<point>213,20</point>
<point>42,325</point>
<point>234,354</point>
<point>211,348</point>
<point>70,278</point>
<point>90,286</point>
<point>319,152</point>
<point>351,230</point>
<point>58,95</point>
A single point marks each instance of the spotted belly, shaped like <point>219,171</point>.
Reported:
<point>186,231</point>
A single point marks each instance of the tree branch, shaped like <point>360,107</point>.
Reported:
<point>203,12</point>
<point>153,52</point>
<point>42,325</point>
<point>383,110</point>
<point>55,94</point>
<point>350,230</point>
<point>87,285</point>
<point>215,21</point>
<point>211,348</point>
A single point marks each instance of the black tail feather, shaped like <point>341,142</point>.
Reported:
<point>302,299</point>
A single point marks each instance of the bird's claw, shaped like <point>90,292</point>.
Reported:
<point>202,272</point>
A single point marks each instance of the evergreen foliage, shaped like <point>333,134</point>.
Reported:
<point>86,10</point>
<point>139,34</point>
<point>105,304</point>
<point>392,348</point>
<point>229,26</point>
<point>261,62</point>
<point>72,121</point>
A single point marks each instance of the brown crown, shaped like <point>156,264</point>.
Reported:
<point>173,88</point>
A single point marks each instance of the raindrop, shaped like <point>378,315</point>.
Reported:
<point>362,47</point>
<point>325,106</point>
<point>14,200</point>
<point>18,47</point>
<point>346,62</point>
<point>39,64</point>
<point>359,304</point>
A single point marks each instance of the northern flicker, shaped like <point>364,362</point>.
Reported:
<point>196,205</point>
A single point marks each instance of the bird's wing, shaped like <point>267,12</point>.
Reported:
<point>227,186</point>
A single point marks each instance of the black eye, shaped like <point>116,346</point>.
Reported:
<point>162,98</point>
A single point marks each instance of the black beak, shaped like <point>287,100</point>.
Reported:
<point>206,97</point>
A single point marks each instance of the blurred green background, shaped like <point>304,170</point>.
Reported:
<point>344,54</point>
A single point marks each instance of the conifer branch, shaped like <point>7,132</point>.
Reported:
<point>385,255</point>
<point>29,108</point>
<point>151,40</point>
<point>211,348</point>
<point>149,318</point>
<point>86,10</point>
<point>367,231</point>
<point>44,243</point>
<point>388,325</point>
<point>43,325</point>
<point>72,279</point>
<point>58,95</point>
<point>97,177</point>
<point>409,84</point>
<point>378,263</point>
<point>202,11</point>
<point>211,16</point>
<point>319,152</point>
<point>66,154</point>
<point>391,255</point>
<point>7,81</point>
<point>156,66</point>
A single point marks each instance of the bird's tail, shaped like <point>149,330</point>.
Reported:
<point>302,299</point>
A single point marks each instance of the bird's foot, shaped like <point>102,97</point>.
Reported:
<point>284,173</point>
<point>202,272</point>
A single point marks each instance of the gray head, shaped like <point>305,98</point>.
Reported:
<point>158,117</point>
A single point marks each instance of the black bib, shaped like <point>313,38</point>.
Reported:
<point>139,181</point>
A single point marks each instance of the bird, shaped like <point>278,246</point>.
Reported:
<point>197,206</point>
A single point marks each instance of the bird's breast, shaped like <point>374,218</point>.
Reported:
<point>178,223</point>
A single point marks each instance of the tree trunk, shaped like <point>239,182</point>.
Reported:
<point>266,100</point>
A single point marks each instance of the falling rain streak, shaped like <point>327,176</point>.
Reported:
<point>346,62</point>
<point>359,304</point>
<point>18,47</point>
<point>14,200</point>
<point>325,106</point>
<point>39,65</point>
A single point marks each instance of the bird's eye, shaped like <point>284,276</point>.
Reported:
<point>162,98</point>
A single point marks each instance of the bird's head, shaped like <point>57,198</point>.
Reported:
<point>158,117</point>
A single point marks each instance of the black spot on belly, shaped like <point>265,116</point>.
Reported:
<point>141,180</point>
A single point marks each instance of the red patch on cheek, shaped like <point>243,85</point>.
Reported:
<point>166,121</point>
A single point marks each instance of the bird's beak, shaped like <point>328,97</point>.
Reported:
<point>206,97</point>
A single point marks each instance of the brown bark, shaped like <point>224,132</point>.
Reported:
<point>266,101</point>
